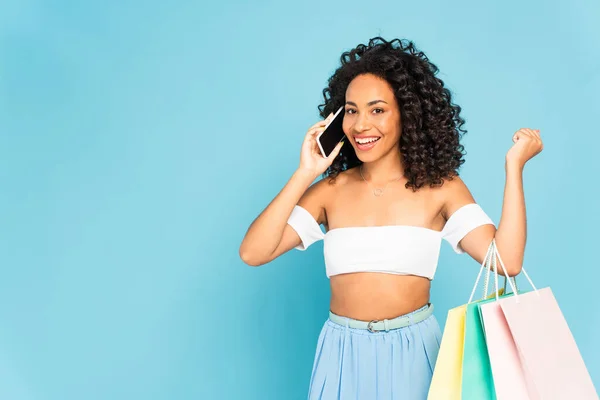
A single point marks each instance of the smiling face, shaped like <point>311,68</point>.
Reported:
<point>371,117</point>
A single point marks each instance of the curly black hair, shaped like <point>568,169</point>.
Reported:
<point>431,125</point>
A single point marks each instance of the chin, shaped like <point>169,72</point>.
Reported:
<point>366,158</point>
<point>370,156</point>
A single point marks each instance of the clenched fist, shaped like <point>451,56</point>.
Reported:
<point>527,144</point>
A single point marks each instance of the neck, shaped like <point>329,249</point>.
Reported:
<point>383,170</point>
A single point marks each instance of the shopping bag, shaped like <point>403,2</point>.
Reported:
<point>477,381</point>
<point>446,382</point>
<point>533,354</point>
<point>548,352</point>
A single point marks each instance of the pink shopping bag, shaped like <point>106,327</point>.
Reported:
<point>509,378</point>
<point>547,349</point>
<point>533,354</point>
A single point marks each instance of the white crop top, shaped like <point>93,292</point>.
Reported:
<point>393,249</point>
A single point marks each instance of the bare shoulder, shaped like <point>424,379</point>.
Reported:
<point>327,185</point>
<point>344,177</point>
<point>454,194</point>
<point>341,182</point>
<point>333,184</point>
<point>320,195</point>
<point>317,196</point>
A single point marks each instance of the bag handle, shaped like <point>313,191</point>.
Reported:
<point>514,282</point>
<point>513,287</point>
<point>485,263</point>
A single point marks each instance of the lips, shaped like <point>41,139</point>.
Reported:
<point>368,142</point>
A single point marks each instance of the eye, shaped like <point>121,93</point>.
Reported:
<point>380,109</point>
<point>348,110</point>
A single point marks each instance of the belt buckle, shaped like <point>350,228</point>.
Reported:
<point>370,326</point>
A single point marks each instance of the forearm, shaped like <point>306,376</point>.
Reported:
<point>511,234</point>
<point>265,232</point>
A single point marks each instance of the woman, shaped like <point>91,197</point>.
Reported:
<point>392,194</point>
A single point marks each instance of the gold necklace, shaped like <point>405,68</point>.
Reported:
<point>377,191</point>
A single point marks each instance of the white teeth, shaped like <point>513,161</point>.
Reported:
<point>365,141</point>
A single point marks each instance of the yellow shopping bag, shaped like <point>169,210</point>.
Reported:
<point>447,375</point>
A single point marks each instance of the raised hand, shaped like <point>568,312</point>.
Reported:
<point>527,144</point>
<point>311,159</point>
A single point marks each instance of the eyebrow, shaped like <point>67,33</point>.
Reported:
<point>351,103</point>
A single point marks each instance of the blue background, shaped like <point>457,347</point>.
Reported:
<point>138,141</point>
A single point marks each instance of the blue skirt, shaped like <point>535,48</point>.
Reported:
<point>356,364</point>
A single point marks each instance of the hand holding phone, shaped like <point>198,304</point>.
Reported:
<point>333,133</point>
<point>312,157</point>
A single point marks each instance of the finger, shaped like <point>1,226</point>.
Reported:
<point>336,150</point>
<point>317,131</point>
<point>535,133</point>
<point>517,136</point>
<point>315,151</point>
<point>524,131</point>
<point>311,139</point>
<point>520,134</point>
<point>320,123</point>
<point>309,135</point>
<point>314,148</point>
<point>528,132</point>
<point>317,125</point>
<point>323,122</point>
<point>314,131</point>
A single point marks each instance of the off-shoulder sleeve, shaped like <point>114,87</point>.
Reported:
<point>305,225</point>
<point>463,221</point>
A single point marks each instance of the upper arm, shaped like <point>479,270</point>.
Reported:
<point>468,228</point>
<point>313,201</point>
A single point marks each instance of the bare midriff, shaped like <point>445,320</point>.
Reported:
<point>373,295</point>
<point>368,296</point>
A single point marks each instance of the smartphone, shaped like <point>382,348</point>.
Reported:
<point>333,133</point>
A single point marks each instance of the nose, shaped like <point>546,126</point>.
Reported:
<point>362,123</point>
